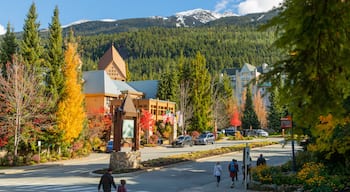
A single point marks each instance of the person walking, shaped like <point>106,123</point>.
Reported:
<point>107,181</point>
<point>236,169</point>
<point>122,186</point>
<point>217,173</point>
<point>232,170</point>
<point>261,160</point>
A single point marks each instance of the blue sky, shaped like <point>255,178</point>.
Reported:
<point>15,11</point>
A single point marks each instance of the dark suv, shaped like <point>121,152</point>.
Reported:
<point>230,131</point>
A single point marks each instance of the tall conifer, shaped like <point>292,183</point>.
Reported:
<point>30,46</point>
<point>250,119</point>
<point>8,48</point>
<point>274,116</point>
<point>55,59</point>
<point>200,94</point>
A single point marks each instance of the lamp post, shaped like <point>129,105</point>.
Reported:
<point>293,154</point>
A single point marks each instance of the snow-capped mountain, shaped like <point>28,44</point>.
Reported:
<point>190,18</point>
<point>200,15</point>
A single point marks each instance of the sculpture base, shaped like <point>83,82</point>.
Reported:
<point>125,160</point>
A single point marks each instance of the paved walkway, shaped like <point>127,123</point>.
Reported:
<point>268,151</point>
<point>275,155</point>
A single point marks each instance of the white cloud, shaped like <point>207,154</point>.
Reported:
<point>2,30</point>
<point>221,5</point>
<point>256,6</point>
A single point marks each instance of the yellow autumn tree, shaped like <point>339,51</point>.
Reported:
<point>260,109</point>
<point>71,113</point>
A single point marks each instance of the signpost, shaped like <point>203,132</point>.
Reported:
<point>39,144</point>
<point>288,123</point>
<point>246,161</point>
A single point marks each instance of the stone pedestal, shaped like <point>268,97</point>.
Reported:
<point>125,160</point>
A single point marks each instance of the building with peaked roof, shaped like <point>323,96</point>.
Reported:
<point>113,64</point>
<point>108,84</point>
<point>100,90</point>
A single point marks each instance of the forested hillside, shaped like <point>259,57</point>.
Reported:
<point>150,51</point>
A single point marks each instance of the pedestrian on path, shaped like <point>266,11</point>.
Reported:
<point>107,181</point>
<point>232,168</point>
<point>261,160</point>
<point>122,186</point>
<point>217,173</point>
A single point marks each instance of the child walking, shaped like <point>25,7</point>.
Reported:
<point>122,187</point>
<point>217,173</point>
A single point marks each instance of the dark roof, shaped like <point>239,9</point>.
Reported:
<point>148,87</point>
<point>230,71</point>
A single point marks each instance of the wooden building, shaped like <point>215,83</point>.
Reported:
<point>108,84</point>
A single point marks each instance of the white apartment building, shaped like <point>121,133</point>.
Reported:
<point>240,77</point>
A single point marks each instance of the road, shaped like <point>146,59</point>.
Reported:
<point>74,175</point>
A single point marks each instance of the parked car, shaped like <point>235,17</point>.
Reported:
<point>230,131</point>
<point>182,141</point>
<point>261,133</point>
<point>204,139</point>
<point>249,133</point>
<point>109,147</point>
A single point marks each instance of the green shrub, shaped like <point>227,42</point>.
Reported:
<point>220,136</point>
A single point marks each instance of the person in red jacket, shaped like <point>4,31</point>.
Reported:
<point>122,187</point>
<point>232,168</point>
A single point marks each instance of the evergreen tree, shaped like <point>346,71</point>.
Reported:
<point>30,47</point>
<point>55,59</point>
<point>314,35</point>
<point>71,114</point>
<point>200,96</point>
<point>8,48</point>
<point>250,119</point>
<point>168,86</point>
<point>274,116</point>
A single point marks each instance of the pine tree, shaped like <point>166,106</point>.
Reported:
<point>200,95</point>
<point>168,86</point>
<point>30,48</point>
<point>71,114</point>
<point>8,48</point>
<point>250,119</point>
<point>274,116</point>
<point>55,59</point>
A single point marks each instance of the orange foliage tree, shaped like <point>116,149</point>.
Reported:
<point>235,120</point>
<point>146,122</point>
<point>100,125</point>
<point>71,114</point>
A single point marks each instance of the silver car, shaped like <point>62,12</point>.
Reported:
<point>204,139</point>
<point>261,133</point>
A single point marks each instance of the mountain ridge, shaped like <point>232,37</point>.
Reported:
<point>190,18</point>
